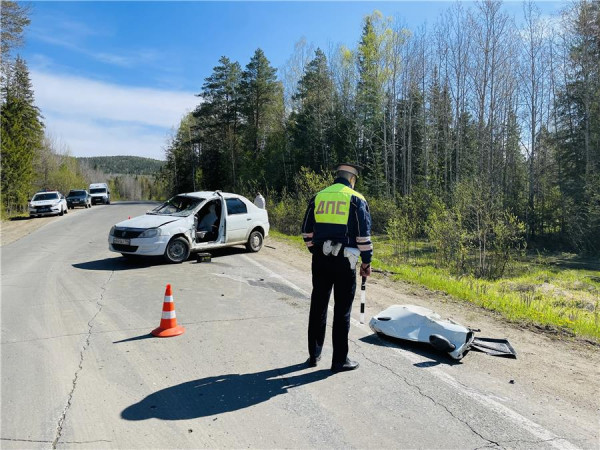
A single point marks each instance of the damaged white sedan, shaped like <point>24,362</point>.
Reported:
<point>192,222</point>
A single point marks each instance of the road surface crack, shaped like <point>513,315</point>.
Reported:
<point>423,394</point>
<point>86,345</point>
<point>50,442</point>
<point>539,441</point>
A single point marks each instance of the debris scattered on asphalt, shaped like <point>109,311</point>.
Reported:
<point>419,324</point>
<point>494,347</point>
<point>203,257</point>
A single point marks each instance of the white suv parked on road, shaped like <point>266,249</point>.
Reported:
<point>47,203</point>
<point>192,222</point>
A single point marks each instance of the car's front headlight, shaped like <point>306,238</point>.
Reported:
<point>150,233</point>
<point>112,231</point>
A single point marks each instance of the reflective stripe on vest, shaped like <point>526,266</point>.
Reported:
<point>332,205</point>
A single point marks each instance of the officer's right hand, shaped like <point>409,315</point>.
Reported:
<point>365,270</point>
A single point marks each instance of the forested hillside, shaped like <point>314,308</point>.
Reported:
<point>123,165</point>
<point>477,132</point>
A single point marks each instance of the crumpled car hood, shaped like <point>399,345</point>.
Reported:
<point>148,221</point>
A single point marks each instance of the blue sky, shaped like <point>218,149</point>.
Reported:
<point>113,78</point>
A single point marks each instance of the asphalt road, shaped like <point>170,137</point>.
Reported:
<point>80,370</point>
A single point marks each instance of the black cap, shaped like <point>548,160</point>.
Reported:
<point>354,169</point>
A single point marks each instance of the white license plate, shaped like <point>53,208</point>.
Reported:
<point>121,241</point>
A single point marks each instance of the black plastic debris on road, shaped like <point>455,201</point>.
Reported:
<point>494,347</point>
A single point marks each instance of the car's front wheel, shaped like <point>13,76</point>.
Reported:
<point>255,241</point>
<point>62,212</point>
<point>178,250</point>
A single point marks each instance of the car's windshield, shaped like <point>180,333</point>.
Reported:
<point>97,191</point>
<point>44,196</point>
<point>76,194</point>
<point>179,205</point>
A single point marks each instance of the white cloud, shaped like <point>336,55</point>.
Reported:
<point>86,137</point>
<point>73,35</point>
<point>95,118</point>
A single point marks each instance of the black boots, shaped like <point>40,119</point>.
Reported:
<point>313,360</point>
<point>343,367</point>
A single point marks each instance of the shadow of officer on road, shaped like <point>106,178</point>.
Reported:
<point>216,395</point>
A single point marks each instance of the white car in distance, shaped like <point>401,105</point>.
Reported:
<point>47,203</point>
<point>192,222</point>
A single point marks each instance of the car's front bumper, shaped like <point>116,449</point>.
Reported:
<point>99,200</point>
<point>44,210</point>
<point>140,246</point>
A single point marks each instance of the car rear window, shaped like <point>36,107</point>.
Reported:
<point>45,196</point>
<point>235,206</point>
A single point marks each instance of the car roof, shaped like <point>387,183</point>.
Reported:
<point>47,192</point>
<point>209,194</point>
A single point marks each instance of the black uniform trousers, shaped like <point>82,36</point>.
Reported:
<point>330,272</point>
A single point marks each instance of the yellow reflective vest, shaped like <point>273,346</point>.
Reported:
<point>332,204</point>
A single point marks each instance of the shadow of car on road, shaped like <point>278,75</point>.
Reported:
<point>137,262</point>
<point>119,263</point>
<point>420,348</point>
<point>220,394</point>
<point>13,219</point>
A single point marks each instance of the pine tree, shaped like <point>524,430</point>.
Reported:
<point>217,130</point>
<point>312,132</point>
<point>262,103</point>
<point>22,134</point>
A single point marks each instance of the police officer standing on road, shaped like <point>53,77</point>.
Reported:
<point>336,230</point>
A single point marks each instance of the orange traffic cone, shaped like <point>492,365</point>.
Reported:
<point>168,322</point>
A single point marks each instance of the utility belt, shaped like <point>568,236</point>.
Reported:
<point>331,248</point>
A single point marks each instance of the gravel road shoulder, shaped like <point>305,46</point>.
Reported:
<point>14,229</point>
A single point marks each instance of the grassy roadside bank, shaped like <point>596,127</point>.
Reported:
<point>537,291</point>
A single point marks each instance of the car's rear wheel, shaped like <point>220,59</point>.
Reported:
<point>255,241</point>
<point>178,250</point>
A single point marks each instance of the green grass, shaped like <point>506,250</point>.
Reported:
<point>297,241</point>
<point>536,290</point>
